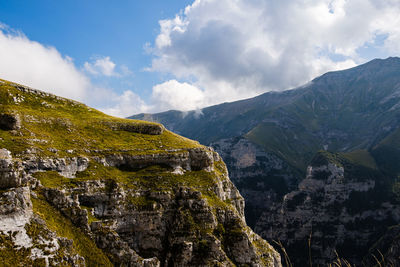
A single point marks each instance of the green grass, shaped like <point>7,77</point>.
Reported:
<point>51,122</point>
<point>393,140</point>
<point>140,202</point>
<point>325,157</point>
<point>53,179</point>
<point>10,256</point>
<point>361,157</point>
<point>293,145</point>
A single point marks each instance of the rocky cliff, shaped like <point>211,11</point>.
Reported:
<point>79,188</point>
<point>261,177</point>
<point>340,209</point>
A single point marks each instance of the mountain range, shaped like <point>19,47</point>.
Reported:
<point>319,160</point>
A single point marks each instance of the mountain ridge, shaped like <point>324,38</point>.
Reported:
<point>310,101</point>
<point>269,143</point>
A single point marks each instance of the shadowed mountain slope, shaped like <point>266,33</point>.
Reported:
<point>272,142</point>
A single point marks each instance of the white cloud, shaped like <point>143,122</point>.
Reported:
<point>237,49</point>
<point>125,71</point>
<point>101,66</point>
<point>175,95</point>
<point>43,67</point>
<point>124,105</point>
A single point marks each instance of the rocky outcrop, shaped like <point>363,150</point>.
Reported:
<point>120,252</point>
<point>261,177</point>
<point>339,208</point>
<point>67,167</point>
<point>138,227</point>
<point>152,129</point>
<point>11,171</point>
<point>69,206</point>
<point>190,159</point>
<point>24,237</point>
<point>176,227</point>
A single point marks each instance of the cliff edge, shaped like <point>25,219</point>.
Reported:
<point>80,188</point>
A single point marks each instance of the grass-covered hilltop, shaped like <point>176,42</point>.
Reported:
<point>80,188</point>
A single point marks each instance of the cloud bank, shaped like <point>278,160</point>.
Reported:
<point>241,48</point>
<point>31,63</point>
<point>43,67</point>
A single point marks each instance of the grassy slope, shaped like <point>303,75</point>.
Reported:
<point>361,157</point>
<point>285,143</point>
<point>53,122</point>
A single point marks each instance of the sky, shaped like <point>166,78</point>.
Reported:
<point>130,56</point>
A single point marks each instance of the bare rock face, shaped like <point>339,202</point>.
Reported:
<point>172,228</point>
<point>67,167</point>
<point>120,252</point>
<point>338,208</point>
<point>201,159</point>
<point>24,233</point>
<point>261,177</point>
<point>11,171</point>
<point>191,159</point>
<point>9,122</point>
<point>151,129</point>
<point>135,226</point>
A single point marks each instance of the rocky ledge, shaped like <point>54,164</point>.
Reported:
<point>131,225</point>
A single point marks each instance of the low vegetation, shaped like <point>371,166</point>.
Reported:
<point>52,126</point>
<point>58,223</point>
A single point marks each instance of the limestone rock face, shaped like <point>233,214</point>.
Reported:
<point>196,159</point>
<point>201,159</point>
<point>26,234</point>
<point>338,208</point>
<point>261,177</point>
<point>135,226</point>
<point>196,234</point>
<point>11,171</point>
<point>67,167</point>
<point>152,129</point>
